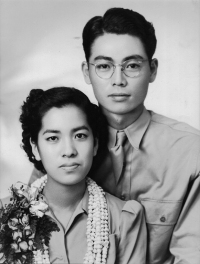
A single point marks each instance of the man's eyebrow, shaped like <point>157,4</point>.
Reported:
<point>101,57</point>
<point>133,57</point>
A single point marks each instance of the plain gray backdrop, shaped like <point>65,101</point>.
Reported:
<point>41,47</point>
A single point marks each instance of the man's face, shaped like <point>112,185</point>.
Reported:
<point>119,94</point>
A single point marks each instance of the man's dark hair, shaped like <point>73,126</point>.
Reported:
<point>39,102</point>
<point>119,21</point>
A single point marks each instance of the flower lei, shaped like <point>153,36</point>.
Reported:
<point>25,230</point>
<point>97,231</point>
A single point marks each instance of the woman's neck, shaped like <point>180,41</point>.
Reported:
<point>63,196</point>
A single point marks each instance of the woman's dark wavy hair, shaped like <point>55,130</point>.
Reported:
<point>119,21</point>
<point>40,102</point>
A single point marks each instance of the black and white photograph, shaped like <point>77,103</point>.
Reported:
<point>100,131</point>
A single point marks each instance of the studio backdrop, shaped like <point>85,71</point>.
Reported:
<point>41,47</point>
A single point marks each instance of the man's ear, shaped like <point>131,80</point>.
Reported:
<point>35,150</point>
<point>96,146</point>
<point>85,71</point>
<point>153,68</point>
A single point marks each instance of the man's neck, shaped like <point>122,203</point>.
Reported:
<point>121,121</point>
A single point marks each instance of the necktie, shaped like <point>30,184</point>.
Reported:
<point>117,154</point>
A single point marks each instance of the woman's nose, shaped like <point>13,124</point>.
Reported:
<point>69,149</point>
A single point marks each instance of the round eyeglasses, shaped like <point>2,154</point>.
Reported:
<point>130,68</point>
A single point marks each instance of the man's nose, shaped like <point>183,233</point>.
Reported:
<point>68,149</point>
<point>118,77</point>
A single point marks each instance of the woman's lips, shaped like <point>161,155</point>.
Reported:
<point>69,167</point>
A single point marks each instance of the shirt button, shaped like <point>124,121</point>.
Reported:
<point>123,197</point>
<point>163,219</point>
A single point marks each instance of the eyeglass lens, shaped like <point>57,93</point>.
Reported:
<point>130,68</point>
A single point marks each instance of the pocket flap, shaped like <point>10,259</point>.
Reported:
<point>161,212</point>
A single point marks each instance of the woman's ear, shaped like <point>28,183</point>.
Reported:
<point>85,71</point>
<point>35,150</point>
<point>96,146</point>
<point>153,68</point>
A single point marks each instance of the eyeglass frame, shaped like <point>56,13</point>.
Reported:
<point>119,64</point>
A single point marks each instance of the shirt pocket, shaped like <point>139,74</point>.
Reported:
<point>161,217</point>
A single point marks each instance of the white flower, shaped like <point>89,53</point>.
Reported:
<point>2,258</point>
<point>14,246</point>
<point>33,192</point>
<point>12,223</point>
<point>16,235</point>
<point>23,245</point>
<point>38,208</point>
<point>24,220</point>
<point>20,189</point>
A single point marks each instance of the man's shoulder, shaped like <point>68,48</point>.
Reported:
<point>117,205</point>
<point>173,125</point>
<point>114,201</point>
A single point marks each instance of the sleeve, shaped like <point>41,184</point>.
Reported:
<point>133,236</point>
<point>35,175</point>
<point>185,242</point>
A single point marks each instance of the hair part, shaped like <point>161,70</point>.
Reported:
<point>119,21</point>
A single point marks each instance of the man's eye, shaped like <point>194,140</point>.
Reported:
<point>132,66</point>
<point>80,136</point>
<point>103,67</point>
<point>52,139</point>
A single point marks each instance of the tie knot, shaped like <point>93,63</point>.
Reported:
<point>120,138</point>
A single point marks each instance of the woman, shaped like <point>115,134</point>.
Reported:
<point>62,132</point>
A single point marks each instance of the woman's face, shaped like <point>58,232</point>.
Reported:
<point>66,145</point>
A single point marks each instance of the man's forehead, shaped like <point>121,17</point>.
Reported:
<point>115,47</point>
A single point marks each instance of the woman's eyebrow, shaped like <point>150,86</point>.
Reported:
<point>73,130</point>
<point>80,128</point>
<point>51,131</point>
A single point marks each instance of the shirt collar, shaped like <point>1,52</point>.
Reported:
<point>85,200</point>
<point>134,132</point>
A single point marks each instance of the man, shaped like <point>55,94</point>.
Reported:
<point>150,158</point>
<point>158,162</point>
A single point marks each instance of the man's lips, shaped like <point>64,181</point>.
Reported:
<point>119,97</point>
<point>118,94</point>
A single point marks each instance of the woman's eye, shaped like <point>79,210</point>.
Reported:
<point>80,136</point>
<point>52,139</point>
